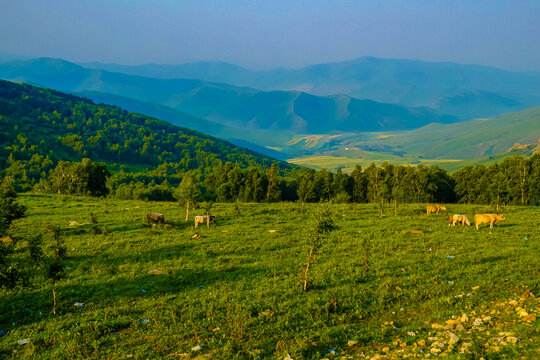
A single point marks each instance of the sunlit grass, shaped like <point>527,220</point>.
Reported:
<point>236,291</point>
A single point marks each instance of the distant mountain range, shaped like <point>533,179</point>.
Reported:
<point>465,91</point>
<point>239,107</point>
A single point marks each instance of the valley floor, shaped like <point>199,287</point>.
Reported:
<point>397,286</point>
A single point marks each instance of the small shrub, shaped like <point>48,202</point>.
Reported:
<point>35,248</point>
<point>93,219</point>
<point>95,230</point>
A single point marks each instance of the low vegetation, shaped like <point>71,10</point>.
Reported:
<point>392,285</point>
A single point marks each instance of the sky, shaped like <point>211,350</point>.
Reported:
<point>265,34</point>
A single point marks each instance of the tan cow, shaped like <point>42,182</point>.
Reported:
<point>487,218</point>
<point>459,218</point>
<point>204,219</point>
<point>435,208</point>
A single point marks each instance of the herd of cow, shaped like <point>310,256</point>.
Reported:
<point>157,218</point>
<point>462,219</point>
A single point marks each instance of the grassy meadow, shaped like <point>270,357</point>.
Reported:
<point>377,289</point>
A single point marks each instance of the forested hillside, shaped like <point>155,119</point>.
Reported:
<point>43,126</point>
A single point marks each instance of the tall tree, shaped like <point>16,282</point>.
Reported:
<point>306,185</point>
<point>274,192</point>
<point>10,210</point>
<point>534,179</point>
<point>398,185</point>
<point>376,186</point>
<point>187,193</point>
<point>359,188</point>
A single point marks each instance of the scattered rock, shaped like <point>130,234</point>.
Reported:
<point>454,339</point>
<point>512,339</point>
<point>77,224</point>
<point>196,348</point>
<point>351,343</point>
<point>411,333</point>
<point>7,240</point>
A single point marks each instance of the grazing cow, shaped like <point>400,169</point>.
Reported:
<point>154,218</point>
<point>459,218</point>
<point>435,208</point>
<point>204,219</point>
<point>487,218</point>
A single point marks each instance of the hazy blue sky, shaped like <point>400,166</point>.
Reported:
<point>271,33</point>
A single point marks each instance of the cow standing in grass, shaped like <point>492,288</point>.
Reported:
<point>204,219</point>
<point>435,208</point>
<point>487,219</point>
<point>459,218</point>
<point>155,218</point>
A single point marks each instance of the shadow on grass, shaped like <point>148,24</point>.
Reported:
<point>19,310</point>
<point>158,254</point>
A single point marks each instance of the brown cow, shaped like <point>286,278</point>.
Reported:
<point>487,218</point>
<point>155,218</point>
<point>204,219</point>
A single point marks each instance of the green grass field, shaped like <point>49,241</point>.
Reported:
<point>377,287</point>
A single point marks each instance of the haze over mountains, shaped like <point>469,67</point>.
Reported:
<point>264,110</point>
<point>465,91</point>
<point>240,107</point>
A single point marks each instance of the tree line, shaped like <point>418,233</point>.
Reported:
<point>513,181</point>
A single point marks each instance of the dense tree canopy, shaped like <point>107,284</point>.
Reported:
<point>40,127</point>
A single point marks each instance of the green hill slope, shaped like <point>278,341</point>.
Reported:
<point>472,139</point>
<point>36,121</point>
<point>451,146</point>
